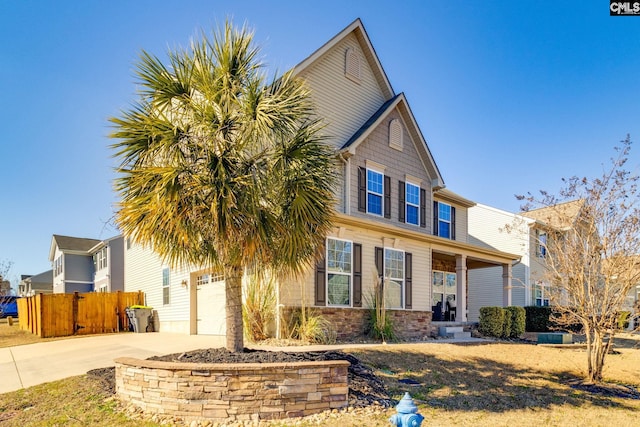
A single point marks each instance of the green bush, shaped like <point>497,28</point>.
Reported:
<point>506,325</point>
<point>517,316</point>
<point>491,321</point>
<point>537,319</point>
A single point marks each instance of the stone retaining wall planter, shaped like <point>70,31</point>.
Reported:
<point>232,391</point>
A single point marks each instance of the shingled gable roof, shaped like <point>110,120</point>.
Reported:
<point>358,30</point>
<point>399,102</point>
<point>561,216</point>
<point>71,244</point>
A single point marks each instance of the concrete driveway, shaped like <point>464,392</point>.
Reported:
<point>28,365</point>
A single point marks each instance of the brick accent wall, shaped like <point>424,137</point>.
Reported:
<point>353,323</point>
<point>232,392</point>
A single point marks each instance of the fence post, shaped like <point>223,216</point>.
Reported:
<point>75,312</point>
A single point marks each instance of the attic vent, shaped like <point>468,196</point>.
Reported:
<point>352,65</point>
<point>395,134</point>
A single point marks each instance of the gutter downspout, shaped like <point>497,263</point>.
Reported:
<point>347,181</point>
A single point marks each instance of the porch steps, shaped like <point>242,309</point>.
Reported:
<point>453,332</point>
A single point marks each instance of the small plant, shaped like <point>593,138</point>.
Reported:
<point>258,310</point>
<point>310,326</point>
<point>380,323</point>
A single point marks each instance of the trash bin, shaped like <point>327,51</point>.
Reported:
<point>139,317</point>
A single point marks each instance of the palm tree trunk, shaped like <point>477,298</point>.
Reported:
<point>233,290</point>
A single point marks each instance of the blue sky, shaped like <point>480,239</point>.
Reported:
<point>511,96</point>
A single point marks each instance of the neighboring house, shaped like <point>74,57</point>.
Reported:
<point>5,287</point>
<point>87,265</point>
<point>41,283</point>
<point>395,219</point>
<point>108,264</point>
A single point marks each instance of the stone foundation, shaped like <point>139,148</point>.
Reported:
<point>353,323</point>
<point>232,392</point>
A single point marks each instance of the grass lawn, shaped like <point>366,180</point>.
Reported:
<point>494,384</point>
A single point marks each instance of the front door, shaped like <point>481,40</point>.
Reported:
<point>444,295</point>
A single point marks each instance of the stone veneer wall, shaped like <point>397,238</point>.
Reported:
<point>353,323</point>
<point>232,392</point>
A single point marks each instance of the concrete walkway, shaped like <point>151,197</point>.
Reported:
<point>28,365</point>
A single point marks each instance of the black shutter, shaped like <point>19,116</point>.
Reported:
<point>380,261</point>
<point>423,208</point>
<point>357,275</point>
<point>321,279</point>
<point>435,218</point>
<point>408,285</point>
<point>453,223</point>
<point>362,189</point>
<point>401,201</point>
<point>387,196</point>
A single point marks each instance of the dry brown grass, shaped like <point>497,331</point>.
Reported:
<point>495,384</point>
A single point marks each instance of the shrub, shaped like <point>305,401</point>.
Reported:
<point>517,316</point>
<point>491,321</point>
<point>259,308</point>
<point>310,326</point>
<point>537,319</point>
<point>506,324</point>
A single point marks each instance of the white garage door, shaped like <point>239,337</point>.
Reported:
<point>211,307</point>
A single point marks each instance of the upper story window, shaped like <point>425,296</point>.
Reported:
<point>395,134</point>
<point>412,205</point>
<point>541,244</point>
<point>339,271</point>
<point>541,294</point>
<point>444,220</point>
<point>352,65</point>
<point>375,192</point>
<point>57,266</point>
<point>100,259</point>
<point>166,286</point>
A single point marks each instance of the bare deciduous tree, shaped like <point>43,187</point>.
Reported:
<point>592,252</point>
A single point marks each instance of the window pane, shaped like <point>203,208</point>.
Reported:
<point>374,182</point>
<point>374,204</point>
<point>338,256</point>
<point>438,282</point>
<point>394,278</point>
<point>412,214</point>
<point>413,194</point>
<point>444,229</point>
<point>338,289</point>
<point>393,293</point>
<point>444,212</point>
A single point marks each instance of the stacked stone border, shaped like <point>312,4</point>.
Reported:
<point>232,391</point>
<point>351,324</point>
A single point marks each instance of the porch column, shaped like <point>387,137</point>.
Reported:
<point>506,285</point>
<point>461,285</point>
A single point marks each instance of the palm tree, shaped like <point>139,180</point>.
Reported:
<point>221,169</point>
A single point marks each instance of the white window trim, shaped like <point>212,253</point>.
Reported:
<point>444,220</point>
<point>381,214</point>
<point>407,204</point>
<point>327,272</point>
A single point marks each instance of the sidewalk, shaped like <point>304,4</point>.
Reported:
<point>28,365</point>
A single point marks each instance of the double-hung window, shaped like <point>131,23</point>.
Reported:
<point>444,220</point>
<point>375,192</point>
<point>412,203</point>
<point>541,244</point>
<point>394,278</point>
<point>339,270</point>
<point>541,294</point>
<point>166,286</point>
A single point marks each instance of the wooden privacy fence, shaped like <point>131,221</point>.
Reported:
<point>59,315</point>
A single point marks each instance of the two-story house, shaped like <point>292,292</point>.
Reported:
<point>395,221</point>
<point>41,283</point>
<point>85,265</point>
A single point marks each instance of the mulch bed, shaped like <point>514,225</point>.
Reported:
<point>365,388</point>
